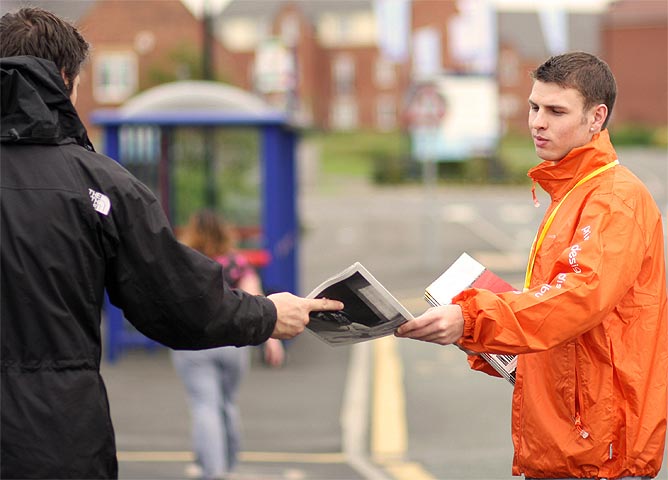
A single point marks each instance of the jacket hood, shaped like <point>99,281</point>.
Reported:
<point>35,105</point>
<point>558,178</point>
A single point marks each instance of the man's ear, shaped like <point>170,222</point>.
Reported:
<point>600,114</point>
<point>64,77</point>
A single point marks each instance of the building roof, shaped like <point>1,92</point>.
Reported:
<point>585,32</point>
<point>67,9</point>
<point>523,31</point>
<point>311,9</point>
<point>637,12</point>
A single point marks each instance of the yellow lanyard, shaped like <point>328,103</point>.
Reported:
<point>538,241</point>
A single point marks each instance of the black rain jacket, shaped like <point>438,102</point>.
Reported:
<point>73,224</point>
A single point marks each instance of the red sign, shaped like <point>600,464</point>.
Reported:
<point>426,107</point>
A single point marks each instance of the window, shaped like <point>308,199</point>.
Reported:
<point>344,114</point>
<point>347,29</point>
<point>509,69</point>
<point>344,28</point>
<point>426,52</point>
<point>386,113</point>
<point>510,105</point>
<point>386,75</point>
<point>344,75</point>
<point>290,30</point>
<point>240,34</point>
<point>114,76</point>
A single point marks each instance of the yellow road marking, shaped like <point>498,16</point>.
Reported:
<point>140,456</point>
<point>288,457</point>
<point>388,432</point>
<point>253,457</point>
<point>408,471</point>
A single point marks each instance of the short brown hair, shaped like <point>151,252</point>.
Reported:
<point>584,72</point>
<point>39,33</point>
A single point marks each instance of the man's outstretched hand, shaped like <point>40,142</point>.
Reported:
<point>441,325</point>
<point>293,312</point>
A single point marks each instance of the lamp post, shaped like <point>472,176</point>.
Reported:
<point>208,73</point>
<point>207,41</point>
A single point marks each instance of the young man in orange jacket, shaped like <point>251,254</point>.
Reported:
<point>590,327</point>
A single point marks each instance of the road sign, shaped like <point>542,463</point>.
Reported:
<point>426,106</point>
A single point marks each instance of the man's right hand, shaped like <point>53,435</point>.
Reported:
<point>292,312</point>
<point>441,325</point>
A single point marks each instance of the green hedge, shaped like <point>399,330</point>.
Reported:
<point>385,158</point>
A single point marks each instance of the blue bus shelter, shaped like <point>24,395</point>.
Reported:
<point>205,105</point>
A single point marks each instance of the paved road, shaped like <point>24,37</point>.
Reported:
<point>326,415</point>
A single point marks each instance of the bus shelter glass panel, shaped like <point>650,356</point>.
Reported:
<point>217,168</point>
<point>140,154</point>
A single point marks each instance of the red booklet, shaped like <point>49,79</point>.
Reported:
<point>466,272</point>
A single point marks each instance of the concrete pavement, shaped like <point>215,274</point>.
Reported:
<point>290,416</point>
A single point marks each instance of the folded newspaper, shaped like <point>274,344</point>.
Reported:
<point>465,273</point>
<point>370,311</point>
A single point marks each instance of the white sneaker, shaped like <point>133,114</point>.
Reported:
<point>193,470</point>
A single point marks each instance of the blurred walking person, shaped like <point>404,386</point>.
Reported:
<point>212,377</point>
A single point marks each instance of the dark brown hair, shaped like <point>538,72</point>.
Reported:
<point>39,33</point>
<point>584,72</point>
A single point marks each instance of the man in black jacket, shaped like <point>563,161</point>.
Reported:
<point>75,223</point>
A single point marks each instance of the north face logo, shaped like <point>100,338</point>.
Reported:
<point>100,201</point>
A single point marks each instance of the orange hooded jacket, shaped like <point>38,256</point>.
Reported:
<point>590,398</point>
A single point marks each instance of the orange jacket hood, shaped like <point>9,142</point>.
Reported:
<point>591,332</point>
<point>557,178</point>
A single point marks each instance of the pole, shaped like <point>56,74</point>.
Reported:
<point>210,189</point>
<point>207,42</point>
<point>430,212</point>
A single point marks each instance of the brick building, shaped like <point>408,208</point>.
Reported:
<point>323,59</point>
<point>630,35</point>
<point>136,44</point>
<point>337,74</point>
<point>635,44</point>
<point>523,46</point>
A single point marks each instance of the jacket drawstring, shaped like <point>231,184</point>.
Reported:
<point>536,203</point>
